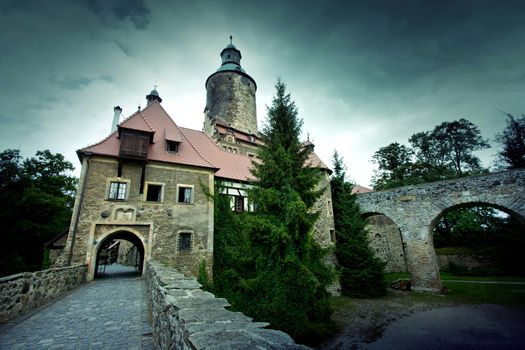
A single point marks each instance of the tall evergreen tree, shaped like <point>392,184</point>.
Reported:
<point>286,276</point>
<point>361,273</point>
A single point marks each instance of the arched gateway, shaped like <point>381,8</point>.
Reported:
<point>416,209</point>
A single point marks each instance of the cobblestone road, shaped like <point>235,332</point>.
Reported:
<point>108,313</point>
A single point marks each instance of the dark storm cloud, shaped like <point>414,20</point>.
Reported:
<point>71,83</point>
<point>135,10</point>
<point>124,48</point>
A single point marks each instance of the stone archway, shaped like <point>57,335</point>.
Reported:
<point>495,247</point>
<point>386,241</point>
<point>121,233</point>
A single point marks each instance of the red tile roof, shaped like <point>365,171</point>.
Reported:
<point>231,166</point>
<point>360,189</point>
<point>195,148</point>
<point>137,121</point>
<point>153,118</point>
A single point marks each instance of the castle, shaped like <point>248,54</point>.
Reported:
<point>149,182</point>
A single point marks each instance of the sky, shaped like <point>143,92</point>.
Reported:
<point>363,74</point>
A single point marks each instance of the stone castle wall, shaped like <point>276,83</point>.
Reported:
<point>27,291</point>
<point>385,241</point>
<point>186,317</point>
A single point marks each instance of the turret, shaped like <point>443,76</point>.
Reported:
<point>153,96</point>
<point>230,96</point>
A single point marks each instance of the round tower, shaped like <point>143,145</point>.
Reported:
<point>230,96</point>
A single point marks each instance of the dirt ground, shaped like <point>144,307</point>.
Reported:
<point>401,321</point>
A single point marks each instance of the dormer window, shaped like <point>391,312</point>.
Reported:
<point>134,144</point>
<point>172,146</point>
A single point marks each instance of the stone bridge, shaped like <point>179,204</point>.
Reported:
<point>416,209</point>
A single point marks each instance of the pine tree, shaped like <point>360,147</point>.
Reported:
<point>361,273</point>
<point>286,285</point>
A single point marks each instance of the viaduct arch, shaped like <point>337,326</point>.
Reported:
<point>416,209</point>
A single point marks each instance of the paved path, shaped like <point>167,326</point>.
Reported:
<point>108,313</point>
<point>476,327</point>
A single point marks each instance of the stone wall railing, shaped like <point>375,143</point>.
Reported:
<point>26,291</point>
<point>186,317</point>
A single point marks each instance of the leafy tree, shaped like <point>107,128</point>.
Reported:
<point>395,167</point>
<point>445,152</point>
<point>456,141</point>
<point>477,226</point>
<point>282,268</point>
<point>361,272</point>
<point>36,200</point>
<point>512,138</point>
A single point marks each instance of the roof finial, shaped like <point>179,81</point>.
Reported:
<point>308,137</point>
<point>155,86</point>
<point>138,110</point>
<point>231,40</point>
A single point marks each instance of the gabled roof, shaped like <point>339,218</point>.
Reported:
<point>195,147</point>
<point>153,118</point>
<point>137,121</point>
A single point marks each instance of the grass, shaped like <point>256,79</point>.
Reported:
<point>474,293</point>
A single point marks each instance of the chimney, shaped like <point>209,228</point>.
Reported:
<point>116,118</point>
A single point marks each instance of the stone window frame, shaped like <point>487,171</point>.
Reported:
<point>111,180</point>
<point>146,187</point>
<point>191,241</point>
<point>192,199</point>
<point>329,207</point>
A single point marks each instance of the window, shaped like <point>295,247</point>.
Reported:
<point>117,190</point>
<point>329,207</point>
<point>332,236</point>
<point>239,203</point>
<point>185,194</point>
<point>172,146</point>
<point>134,144</point>
<point>153,193</point>
<point>185,242</point>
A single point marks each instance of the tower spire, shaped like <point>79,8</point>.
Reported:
<point>153,96</point>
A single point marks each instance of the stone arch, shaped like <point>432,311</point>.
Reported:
<point>386,241</point>
<point>476,203</point>
<point>443,261</point>
<point>125,233</point>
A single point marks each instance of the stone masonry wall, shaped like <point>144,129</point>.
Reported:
<point>231,97</point>
<point>415,209</point>
<point>158,224</point>
<point>186,317</point>
<point>26,291</point>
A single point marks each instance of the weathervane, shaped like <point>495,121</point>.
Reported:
<point>231,40</point>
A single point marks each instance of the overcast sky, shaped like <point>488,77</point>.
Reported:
<point>362,73</point>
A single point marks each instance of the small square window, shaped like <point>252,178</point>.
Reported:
<point>117,190</point>
<point>153,193</point>
<point>185,194</point>
<point>172,146</point>
<point>185,242</point>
